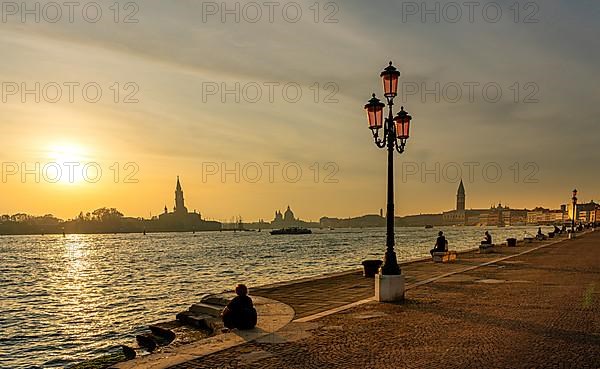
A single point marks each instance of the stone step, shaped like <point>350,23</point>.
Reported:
<point>221,299</point>
<point>202,308</point>
<point>200,321</point>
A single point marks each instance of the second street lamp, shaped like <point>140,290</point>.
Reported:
<point>395,134</point>
<point>574,199</point>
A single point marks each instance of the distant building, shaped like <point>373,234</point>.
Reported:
<point>586,212</point>
<point>499,216</point>
<point>546,216</point>
<point>288,216</point>
<point>182,220</point>
<point>459,215</point>
<point>179,202</point>
<point>287,219</point>
<point>460,197</point>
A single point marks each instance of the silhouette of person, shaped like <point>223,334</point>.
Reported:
<point>540,235</point>
<point>440,244</point>
<point>488,239</point>
<point>240,312</point>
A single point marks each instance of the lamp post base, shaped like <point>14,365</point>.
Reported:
<point>389,288</point>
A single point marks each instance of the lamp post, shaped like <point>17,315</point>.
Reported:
<point>395,134</point>
<point>574,211</point>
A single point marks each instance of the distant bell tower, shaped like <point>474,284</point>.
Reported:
<point>179,204</point>
<point>460,197</point>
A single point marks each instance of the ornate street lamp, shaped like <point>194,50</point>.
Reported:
<point>395,134</point>
<point>574,211</point>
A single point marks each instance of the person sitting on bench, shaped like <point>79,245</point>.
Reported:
<point>540,235</point>
<point>488,239</point>
<point>557,230</point>
<point>240,312</point>
<point>441,244</point>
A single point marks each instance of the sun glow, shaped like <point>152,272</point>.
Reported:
<point>66,153</point>
<point>66,163</point>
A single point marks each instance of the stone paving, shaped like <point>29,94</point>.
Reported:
<point>316,295</point>
<point>537,310</point>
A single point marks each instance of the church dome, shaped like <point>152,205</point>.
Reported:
<point>288,215</point>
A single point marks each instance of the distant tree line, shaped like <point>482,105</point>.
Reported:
<point>103,220</point>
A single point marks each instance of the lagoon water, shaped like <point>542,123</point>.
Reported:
<point>63,300</point>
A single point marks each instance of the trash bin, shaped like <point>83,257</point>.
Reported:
<point>371,267</point>
<point>511,242</point>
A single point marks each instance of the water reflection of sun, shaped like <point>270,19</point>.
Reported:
<point>74,288</point>
<point>76,258</point>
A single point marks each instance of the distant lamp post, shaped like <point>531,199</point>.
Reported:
<point>574,212</point>
<point>396,131</point>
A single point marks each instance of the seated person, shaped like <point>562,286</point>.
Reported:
<point>564,229</point>
<point>488,239</point>
<point>556,230</point>
<point>441,244</point>
<point>240,312</point>
<point>540,235</point>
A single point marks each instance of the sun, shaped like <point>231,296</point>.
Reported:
<point>63,153</point>
<point>65,163</point>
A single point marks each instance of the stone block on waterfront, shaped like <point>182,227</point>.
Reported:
<point>200,321</point>
<point>444,257</point>
<point>146,341</point>
<point>221,299</point>
<point>389,288</point>
<point>486,248</point>
<point>207,309</point>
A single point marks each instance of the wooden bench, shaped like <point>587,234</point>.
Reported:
<point>444,257</point>
<point>486,248</point>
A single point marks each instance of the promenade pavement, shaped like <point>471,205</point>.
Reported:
<point>538,309</point>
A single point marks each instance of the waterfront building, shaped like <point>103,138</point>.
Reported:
<point>461,215</point>
<point>546,216</point>
<point>501,216</point>
<point>585,212</point>
<point>181,219</point>
<point>287,219</point>
<point>457,216</point>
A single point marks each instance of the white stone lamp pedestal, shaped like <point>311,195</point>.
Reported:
<point>389,288</point>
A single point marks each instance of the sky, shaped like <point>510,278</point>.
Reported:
<point>259,105</point>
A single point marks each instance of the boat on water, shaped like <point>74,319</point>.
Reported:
<point>291,230</point>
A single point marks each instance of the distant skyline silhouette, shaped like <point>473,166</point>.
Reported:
<point>173,130</point>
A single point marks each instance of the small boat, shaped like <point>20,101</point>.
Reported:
<point>428,226</point>
<point>291,230</point>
